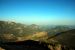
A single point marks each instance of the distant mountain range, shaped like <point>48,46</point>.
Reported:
<point>63,34</point>
<point>11,30</point>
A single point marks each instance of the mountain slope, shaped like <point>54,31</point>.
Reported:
<point>66,38</point>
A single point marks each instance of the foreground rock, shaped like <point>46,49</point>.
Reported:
<point>25,45</point>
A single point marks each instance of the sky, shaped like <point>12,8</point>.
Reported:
<point>54,12</point>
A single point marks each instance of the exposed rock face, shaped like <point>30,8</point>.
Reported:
<point>36,36</point>
<point>40,36</point>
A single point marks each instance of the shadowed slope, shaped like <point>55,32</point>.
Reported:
<point>25,45</point>
<point>66,38</point>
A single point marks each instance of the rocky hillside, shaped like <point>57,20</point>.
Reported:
<point>9,31</point>
<point>54,37</point>
<point>12,31</point>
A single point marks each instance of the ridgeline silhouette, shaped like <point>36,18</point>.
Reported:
<point>25,45</point>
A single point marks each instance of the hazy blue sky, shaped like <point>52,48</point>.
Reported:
<point>57,12</point>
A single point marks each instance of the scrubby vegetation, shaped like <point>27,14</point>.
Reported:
<point>14,32</point>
